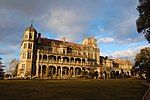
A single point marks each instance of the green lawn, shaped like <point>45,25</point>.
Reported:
<point>71,89</point>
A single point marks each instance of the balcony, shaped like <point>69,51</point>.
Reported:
<point>61,53</point>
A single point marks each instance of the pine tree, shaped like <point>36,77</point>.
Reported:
<point>1,69</point>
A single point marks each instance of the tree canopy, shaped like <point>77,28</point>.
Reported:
<point>143,22</point>
<point>142,61</point>
<point>13,66</point>
<point>143,58</point>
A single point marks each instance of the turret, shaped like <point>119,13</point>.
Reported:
<point>28,52</point>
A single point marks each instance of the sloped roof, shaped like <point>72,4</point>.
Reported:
<point>31,28</point>
<point>122,61</point>
<point>46,42</point>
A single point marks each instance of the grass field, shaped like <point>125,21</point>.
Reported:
<point>71,90</point>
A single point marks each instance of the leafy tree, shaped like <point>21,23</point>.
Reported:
<point>142,62</point>
<point>143,22</point>
<point>13,67</point>
<point>14,73</point>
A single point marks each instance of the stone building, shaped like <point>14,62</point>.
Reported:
<point>112,68</point>
<point>43,57</point>
<point>122,66</point>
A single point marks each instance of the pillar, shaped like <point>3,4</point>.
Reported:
<point>56,70</point>
<point>41,72</point>
<point>37,71</point>
<point>61,72</point>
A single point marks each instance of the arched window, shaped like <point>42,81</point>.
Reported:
<point>83,60</point>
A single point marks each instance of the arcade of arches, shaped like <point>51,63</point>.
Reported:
<point>54,66</point>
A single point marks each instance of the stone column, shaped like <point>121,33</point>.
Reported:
<point>37,70</point>
<point>74,71</point>
<point>41,72</point>
<point>61,72</point>
<point>55,70</point>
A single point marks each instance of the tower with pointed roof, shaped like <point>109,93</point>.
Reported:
<point>28,52</point>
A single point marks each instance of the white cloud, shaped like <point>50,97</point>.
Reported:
<point>130,53</point>
<point>106,40</point>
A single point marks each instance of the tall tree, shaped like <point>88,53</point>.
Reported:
<point>142,61</point>
<point>143,22</point>
<point>1,69</point>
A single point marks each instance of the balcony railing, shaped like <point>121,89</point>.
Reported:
<point>61,53</point>
<point>64,62</point>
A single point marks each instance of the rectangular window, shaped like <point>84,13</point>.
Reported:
<point>23,66</point>
<point>24,55</point>
<point>30,36</point>
<point>29,46</point>
<point>63,51</point>
<point>29,55</point>
<point>25,45</point>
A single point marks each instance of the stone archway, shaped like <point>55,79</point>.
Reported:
<point>65,71</point>
<point>66,59</point>
<point>77,71</point>
<point>104,75</point>
<point>52,69</point>
<point>52,58</point>
<point>77,60</point>
<point>59,59</point>
<point>112,75</point>
<point>39,70</point>
<point>83,71</point>
<point>72,60</point>
<point>83,61</point>
<point>58,70</point>
<point>44,57</point>
<point>43,70</point>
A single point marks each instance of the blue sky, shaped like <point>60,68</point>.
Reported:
<point>111,22</point>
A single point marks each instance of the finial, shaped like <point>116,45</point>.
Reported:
<point>32,23</point>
